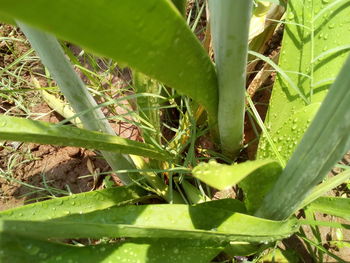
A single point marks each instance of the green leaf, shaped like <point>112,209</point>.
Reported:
<point>194,195</point>
<point>76,204</point>
<point>229,204</point>
<point>150,36</point>
<point>19,129</point>
<point>222,176</point>
<point>180,5</point>
<point>325,142</point>
<point>288,136</point>
<point>24,249</point>
<point>335,206</point>
<point>259,183</point>
<point>156,221</point>
<point>326,186</point>
<point>313,28</point>
<point>6,19</point>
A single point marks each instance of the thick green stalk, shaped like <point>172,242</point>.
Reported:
<point>324,143</point>
<point>230,29</point>
<point>53,57</point>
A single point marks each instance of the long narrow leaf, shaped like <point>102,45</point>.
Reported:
<point>21,249</point>
<point>19,129</point>
<point>150,36</point>
<point>76,204</point>
<point>336,206</point>
<point>156,221</point>
<point>325,143</point>
<point>326,186</point>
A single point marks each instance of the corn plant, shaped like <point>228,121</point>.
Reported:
<point>306,131</point>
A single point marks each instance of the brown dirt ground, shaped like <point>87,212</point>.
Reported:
<point>37,165</point>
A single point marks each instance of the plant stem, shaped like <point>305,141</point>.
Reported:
<point>53,57</point>
<point>229,22</point>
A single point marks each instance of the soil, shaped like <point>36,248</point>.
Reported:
<point>58,167</point>
<point>48,167</point>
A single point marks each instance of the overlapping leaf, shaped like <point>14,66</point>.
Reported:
<point>222,176</point>
<point>336,206</point>
<point>19,129</point>
<point>156,221</point>
<point>149,36</point>
<point>76,204</point>
<point>313,29</point>
<point>23,249</point>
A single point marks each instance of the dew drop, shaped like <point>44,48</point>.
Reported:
<point>291,16</point>
<point>3,123</point>
<point>32,250</point>
<point>42,255</point>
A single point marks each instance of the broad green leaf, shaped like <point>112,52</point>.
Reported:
<point>335,206</point>
<point>19,129</point>
<point>287,136</point>
<point>24,249</point>
<point>323,145</point>
<point>326,186</point>
<point>76,204</point>
<point>156,221</point>
<point>243,248</point>
<point>313,28</point>
<point>222,176</point>
<point>229,204</point>
<point>279,255</point>
<point>180,5</point>
<point>258,184</point>
<point>6,19</point>
<point>150,36</point>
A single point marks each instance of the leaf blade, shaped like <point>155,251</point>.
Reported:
<point>13,128</point>
<point>155,40</point>
<point>157,221</point>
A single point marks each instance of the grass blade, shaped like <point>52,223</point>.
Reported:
<point>20,129</point>
<point>326,186</point>
<point>335,206</point>
<point>75,91</point>
<point>324,143</point>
